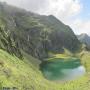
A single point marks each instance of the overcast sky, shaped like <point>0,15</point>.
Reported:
<point>75,13</point>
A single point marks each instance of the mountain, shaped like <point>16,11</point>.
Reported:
<point>84,38</point>
<point>26,39</point>
<point>36,34</point>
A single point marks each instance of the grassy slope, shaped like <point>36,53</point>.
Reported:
<point>18,73</point>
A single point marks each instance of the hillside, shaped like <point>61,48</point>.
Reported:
<point>37,35</point>
<point>23,75</point>
<point>7,43</point>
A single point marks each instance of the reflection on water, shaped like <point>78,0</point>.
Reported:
<point>72,74</point>
<point>60,69</point>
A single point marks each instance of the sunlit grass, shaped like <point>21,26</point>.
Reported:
<point>18,73</point>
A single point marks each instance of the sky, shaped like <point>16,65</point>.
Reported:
<point>75,13</point>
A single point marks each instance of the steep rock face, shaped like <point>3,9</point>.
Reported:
<point>7,43</point>
<point>60,35</point>
<point>37,35</point>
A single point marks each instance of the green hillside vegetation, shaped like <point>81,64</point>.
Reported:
<point>15,72</point>
<point>7,43</point>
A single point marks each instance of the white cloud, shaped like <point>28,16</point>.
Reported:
<point>81,26</point>
<point>32,5</point>
<point>62,9</point>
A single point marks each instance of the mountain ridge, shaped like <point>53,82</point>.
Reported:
<point>85,38</point>
<point>36,34</point>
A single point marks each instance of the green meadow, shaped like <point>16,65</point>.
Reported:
<point>15,72</point>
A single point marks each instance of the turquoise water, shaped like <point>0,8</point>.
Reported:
<point>60,69</point>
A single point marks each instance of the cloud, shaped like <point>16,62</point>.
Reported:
<point>81,26</point>
<point>32,5</point>
<point>64,10</point>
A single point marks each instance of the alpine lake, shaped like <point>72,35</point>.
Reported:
<point>62,69</point>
